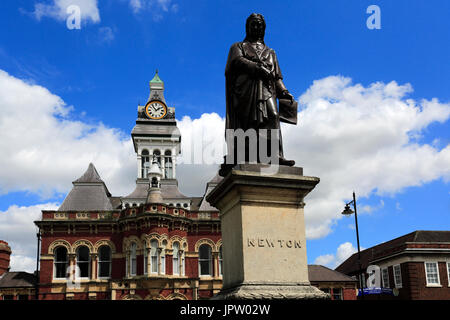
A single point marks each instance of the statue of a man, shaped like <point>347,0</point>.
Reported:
<point>253,84</point>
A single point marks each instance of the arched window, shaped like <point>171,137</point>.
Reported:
<point>83,262</point>
<point>104,262</point>
<point>205,260</point>
<point>157,153</point>
<point>145,162</point>
<point>163,257</point>
<point>168,170</point>
<point>154,182</point>
<point>154,256</point>
<point>220,261</point>
<point>176,258</point>
<point>145,259</point>
<point>61,262</point>
<point>133,259</point>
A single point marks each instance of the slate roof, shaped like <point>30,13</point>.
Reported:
<point>318,273</point>
<point>18,279</point>
<point>204,205</point>
<point>89,193</point>
<point>155,130</point>
<point>169,190</point>
<point>350,266</point>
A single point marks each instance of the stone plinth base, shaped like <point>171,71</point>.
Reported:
<point>271,292</point>
<point>263,232</point>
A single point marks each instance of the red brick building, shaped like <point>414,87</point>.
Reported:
<point>154,243</point>
<point>416,266</point>
<point>338,285</point>
<point>5,253</point>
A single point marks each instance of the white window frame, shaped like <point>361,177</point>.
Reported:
<point>162,257</point>
<point>67,263</point>
<point>133,259</point>
<point>220,260</point>
<point>145,259</point>
<point>154,255</point>
<point>78,269</point>
<point>176,259</point>
<point>182,267</point>
<point>210,262</point>
<point>438,284</point>
<point>397,285</point>
<point>385,284</point>
<point>448,272</point>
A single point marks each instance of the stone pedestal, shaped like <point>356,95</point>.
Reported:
<point>263,233</point>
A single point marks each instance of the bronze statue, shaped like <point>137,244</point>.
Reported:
<point>253,84</point>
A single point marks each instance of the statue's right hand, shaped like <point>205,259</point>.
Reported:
<point>263,72</point>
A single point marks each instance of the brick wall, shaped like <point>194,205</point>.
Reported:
<point>5,253</point>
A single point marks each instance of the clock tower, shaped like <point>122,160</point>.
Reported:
<point>156,135</point>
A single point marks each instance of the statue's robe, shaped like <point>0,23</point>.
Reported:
<point>251,100</point>
<point>247,95</point>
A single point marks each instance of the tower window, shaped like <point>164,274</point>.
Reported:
<point>168,170</point>
<point>157,153</point>
<point>145,163</point>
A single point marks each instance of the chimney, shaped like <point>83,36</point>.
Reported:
<point>5,252</point>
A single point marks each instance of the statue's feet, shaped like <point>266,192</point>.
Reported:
<point>285,162</point>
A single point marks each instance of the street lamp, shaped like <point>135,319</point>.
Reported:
<point>347,212</point>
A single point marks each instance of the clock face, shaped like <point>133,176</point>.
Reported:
<point>155,109</point>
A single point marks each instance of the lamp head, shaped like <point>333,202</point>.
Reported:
<point>347,211</point>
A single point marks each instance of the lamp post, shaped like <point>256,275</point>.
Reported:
<point>347,212</point>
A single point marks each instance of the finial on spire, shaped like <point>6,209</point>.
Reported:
<point>156,78</point>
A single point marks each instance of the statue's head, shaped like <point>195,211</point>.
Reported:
<point>255,27</point>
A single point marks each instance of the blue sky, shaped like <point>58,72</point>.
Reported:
<point>101,73</point>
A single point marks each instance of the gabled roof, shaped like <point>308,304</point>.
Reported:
<point>18,279</point>
<point>89,193</point>
<point>350,266</point>
<point>204,205</point>
<point>318,273</point>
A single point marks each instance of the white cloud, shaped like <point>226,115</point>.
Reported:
<point>18,229</point>
<point>344,251</point>
<point>43,149</point>
<point>57,9</point>
<point>365,139</point>
<point>106,34</point>
<point>353,137</point>
<point>157,7</point>
<point>370,209</point>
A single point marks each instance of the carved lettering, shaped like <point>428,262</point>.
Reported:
<point>273,243</point>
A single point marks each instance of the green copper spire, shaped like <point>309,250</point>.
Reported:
<point>156,78</point>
